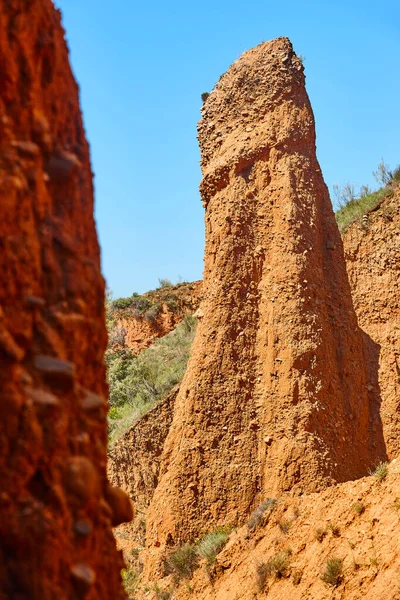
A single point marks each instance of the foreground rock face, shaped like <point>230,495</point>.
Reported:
<point>372,251</point>
<point>277,395</point>
<point>56,506</point>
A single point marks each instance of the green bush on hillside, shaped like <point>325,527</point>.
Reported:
<point>137,383</point>
<point>135,301</point>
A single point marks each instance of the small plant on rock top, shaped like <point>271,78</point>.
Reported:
<point>164,283</point>
<point>396,174</point>
<point>383,174</point>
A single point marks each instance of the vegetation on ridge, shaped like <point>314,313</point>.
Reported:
<point>353,207</point>
<point>137,383</point>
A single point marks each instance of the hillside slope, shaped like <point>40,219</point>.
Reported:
<point>286,554</point>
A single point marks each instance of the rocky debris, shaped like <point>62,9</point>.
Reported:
<point>372,251</point>
<point>278,354</point>
<point>55,528</point>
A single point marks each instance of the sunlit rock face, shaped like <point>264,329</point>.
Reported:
<point>276,396</point>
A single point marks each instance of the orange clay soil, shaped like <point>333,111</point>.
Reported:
<point>57,508</point>
<point>372,252</point>
<point>287,551</point>
<point>277,396</point>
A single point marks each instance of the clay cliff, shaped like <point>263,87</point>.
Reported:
<point>57,507</point>
<point>292,548</point>
<point>140,320</point>
<point>277,395</point>
<point>372,251</point>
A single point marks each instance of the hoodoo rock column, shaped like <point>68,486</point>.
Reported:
<point>276,395</point>
<point>56,506</point>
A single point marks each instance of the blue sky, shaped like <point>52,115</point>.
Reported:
<point>142,67</point>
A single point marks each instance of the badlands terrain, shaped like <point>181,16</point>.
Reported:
<point>251,445</point>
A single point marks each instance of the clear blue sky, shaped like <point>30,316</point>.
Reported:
<point>142,67</point>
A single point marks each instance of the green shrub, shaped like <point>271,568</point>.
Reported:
<point>204,96</point>
<point>212,543</point>
<point>333,574</point>
<point>183,561</point>
<point>381,470</point>
<point>396,174</point>
<point>358,207</point>
<point>116,336</point>
<point>278,565</point>
<point>358,508</point>
<point>383,174</point>
<point>171,300</point>
<point>130,580</point>
<point>140,303</point>
<point>152,313</point>
<point>164,283</point>
<point>353,207</point>
<point>258,514</point>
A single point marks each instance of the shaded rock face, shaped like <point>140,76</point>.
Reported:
<point>372,250</point>
<point>56,505</point>
<point>277,395</point>
<point>134,460</point>
<point>134,465</point>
